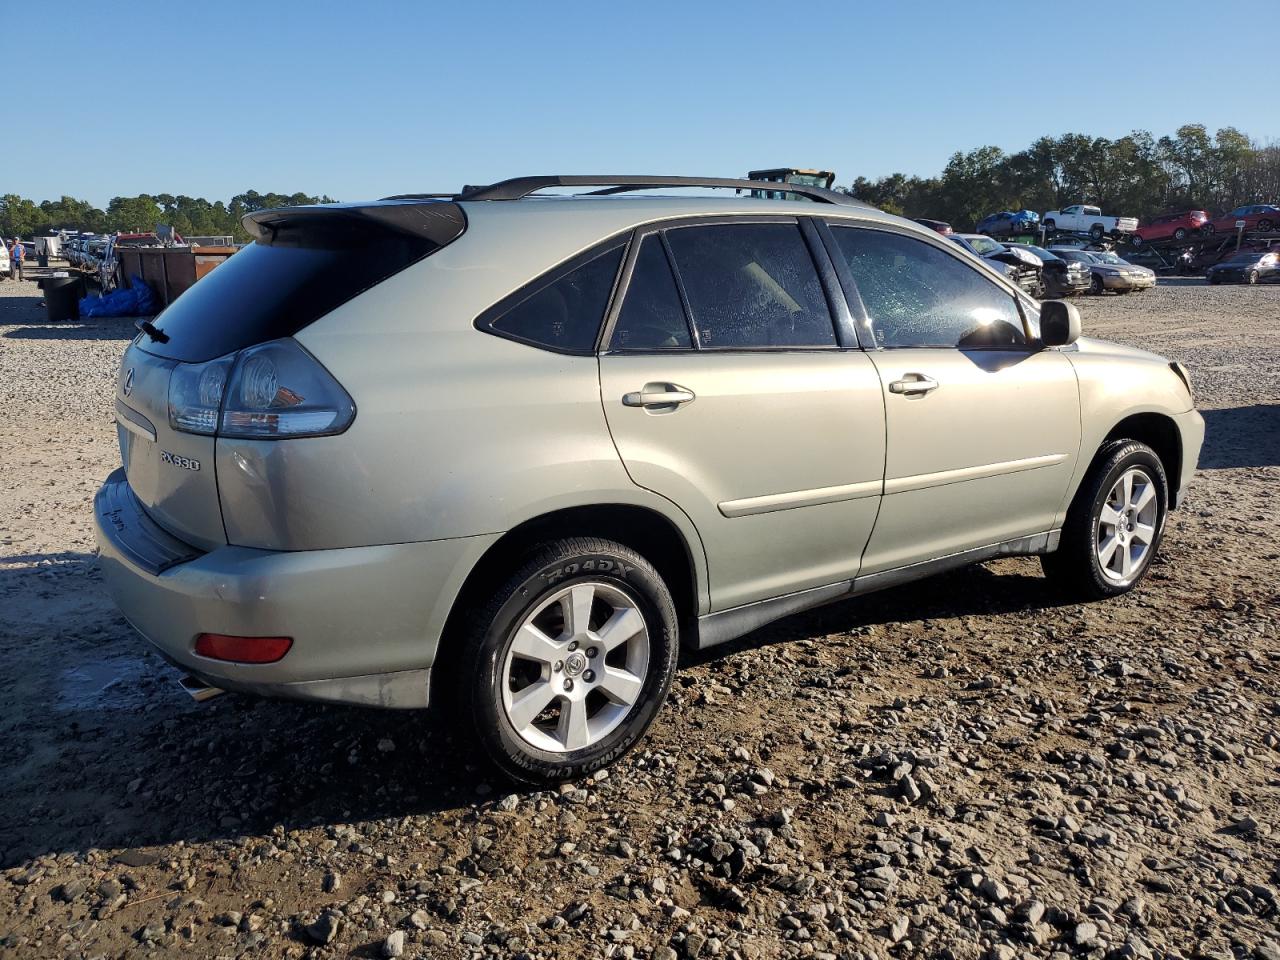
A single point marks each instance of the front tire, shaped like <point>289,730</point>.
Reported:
<point>1253,276</point>
<point>1113,526</point>
<point>1180,233</point>
<point>1096,286</point>
<point>567,666</point>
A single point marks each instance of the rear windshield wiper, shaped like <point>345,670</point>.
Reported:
<point>152,331</point>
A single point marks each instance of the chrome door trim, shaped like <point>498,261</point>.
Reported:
<point>750,506</point>
<point>921,481</point>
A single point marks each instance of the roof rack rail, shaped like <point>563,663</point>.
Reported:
<point>519,187</point>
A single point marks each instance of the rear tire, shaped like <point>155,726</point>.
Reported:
<point>567,666</point>
<point>1114,525</point>
<point>1264,226</point>
<point>1207,229</point>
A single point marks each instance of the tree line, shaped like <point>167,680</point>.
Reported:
<point>1136,175</point>
<point>189,216</point>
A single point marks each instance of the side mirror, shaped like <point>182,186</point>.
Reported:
<point>1059,323</point>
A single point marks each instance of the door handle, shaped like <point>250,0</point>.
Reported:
<point>658,395</point>
<point>913,383</point>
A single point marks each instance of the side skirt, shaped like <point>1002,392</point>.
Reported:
<point>717,628</point>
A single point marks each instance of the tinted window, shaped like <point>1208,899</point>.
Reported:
<point>918,296</point>
<point>565,314</point>
<point>652,317</point>
<point>752,285</point>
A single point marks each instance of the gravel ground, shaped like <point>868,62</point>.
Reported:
<point>959,768</point>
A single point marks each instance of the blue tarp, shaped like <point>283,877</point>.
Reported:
<point>137,300</point>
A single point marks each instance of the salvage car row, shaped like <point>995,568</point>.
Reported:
<point>1058,271</point>
<point>1092,222</point>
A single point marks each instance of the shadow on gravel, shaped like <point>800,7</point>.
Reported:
<point>1241,437</point>
<point>970,591</point>
<point>113,329</point>
<point>1181,282</point>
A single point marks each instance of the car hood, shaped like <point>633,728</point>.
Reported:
<point>1093,345</point>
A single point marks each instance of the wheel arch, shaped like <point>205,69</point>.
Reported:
<point>1159,432</point>
<point>646,530</point>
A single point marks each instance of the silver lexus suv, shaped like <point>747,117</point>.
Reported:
<point>509,450</point>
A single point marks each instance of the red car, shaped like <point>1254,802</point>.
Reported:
<point>1256,216</point>
<point>1176,225</point>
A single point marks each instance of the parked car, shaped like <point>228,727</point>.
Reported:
<point>6,267</point>
<point>1250,266</point>
<point>1256,216</point>
<point>1108,271</point>
<point>1175,226</point>
<point>506,454</point>
<point>1018,266</point>
<point>940,226</point>
<point>1009,223</point>
<point>1058,277</point>
<point>1085,219</point>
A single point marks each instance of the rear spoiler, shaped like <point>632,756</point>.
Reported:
<point>438,222</point>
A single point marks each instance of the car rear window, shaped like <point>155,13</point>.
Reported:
<point>276,286</point>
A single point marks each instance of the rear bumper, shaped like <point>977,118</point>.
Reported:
<point>1128,283</point>
<point>365,621</point>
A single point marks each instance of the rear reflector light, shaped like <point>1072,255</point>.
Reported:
<point>217,646</point>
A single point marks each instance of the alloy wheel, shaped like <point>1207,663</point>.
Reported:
<point>1126,530</point>
<point>574,668</point>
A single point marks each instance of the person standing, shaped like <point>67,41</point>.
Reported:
<point>16,254</point>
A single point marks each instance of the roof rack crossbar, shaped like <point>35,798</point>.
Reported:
<point>519,187</point>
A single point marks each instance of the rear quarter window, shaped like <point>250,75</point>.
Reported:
<point>561,311</point>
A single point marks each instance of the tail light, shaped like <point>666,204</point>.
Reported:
<point>270,391</point>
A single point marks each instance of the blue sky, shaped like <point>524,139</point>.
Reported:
<point>359,100</point>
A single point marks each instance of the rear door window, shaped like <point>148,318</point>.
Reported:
<point>752,286</point>
<point>564,313</point>
<point>918,296</point>
<point>652,316</point>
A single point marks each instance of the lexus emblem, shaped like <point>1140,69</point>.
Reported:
<point>128,382</point>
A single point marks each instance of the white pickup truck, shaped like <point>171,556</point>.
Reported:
<point>1084,219</point>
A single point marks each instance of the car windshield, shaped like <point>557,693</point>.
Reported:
<point>1109,258</point>
<point>985,246</point>
<point>1078,255</point>
<point>1040,252</point>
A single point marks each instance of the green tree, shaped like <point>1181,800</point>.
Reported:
<point>19,217</point>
